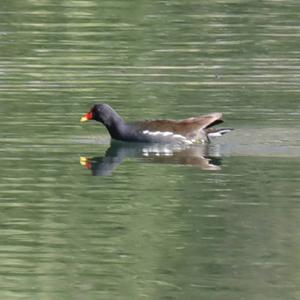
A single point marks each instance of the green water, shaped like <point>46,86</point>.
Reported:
<point>215,222</point>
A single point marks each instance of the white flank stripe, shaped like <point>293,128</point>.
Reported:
<point>155,133</point>
<point>166,133</point>
<point>163,133</point>
<point>179,136</point>
<point>170,134</point>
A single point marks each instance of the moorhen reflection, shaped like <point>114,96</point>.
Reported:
<point>204,157</point>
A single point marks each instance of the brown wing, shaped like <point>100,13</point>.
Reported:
<point>185,127</point>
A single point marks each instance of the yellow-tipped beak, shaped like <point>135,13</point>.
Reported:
<point>86,117</point>
<point>83,119</point>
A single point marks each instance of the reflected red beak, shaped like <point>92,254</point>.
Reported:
<point>85,161</point>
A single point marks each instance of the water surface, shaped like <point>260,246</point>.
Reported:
<point>213,222</point>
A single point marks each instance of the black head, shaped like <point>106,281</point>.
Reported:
<point>102,113</point>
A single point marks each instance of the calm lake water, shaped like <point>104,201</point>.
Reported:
<point>206,222</point>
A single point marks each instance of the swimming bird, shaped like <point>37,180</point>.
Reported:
<point>186,131</point>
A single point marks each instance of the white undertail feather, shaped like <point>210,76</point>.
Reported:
<point>219,132</point>
<point>214,134</point>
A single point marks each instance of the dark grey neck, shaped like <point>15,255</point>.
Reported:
<point>116,127</point>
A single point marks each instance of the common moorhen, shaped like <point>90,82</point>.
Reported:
<point>186,131</point>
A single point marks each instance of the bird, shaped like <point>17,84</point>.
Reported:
<point>185,131</point>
